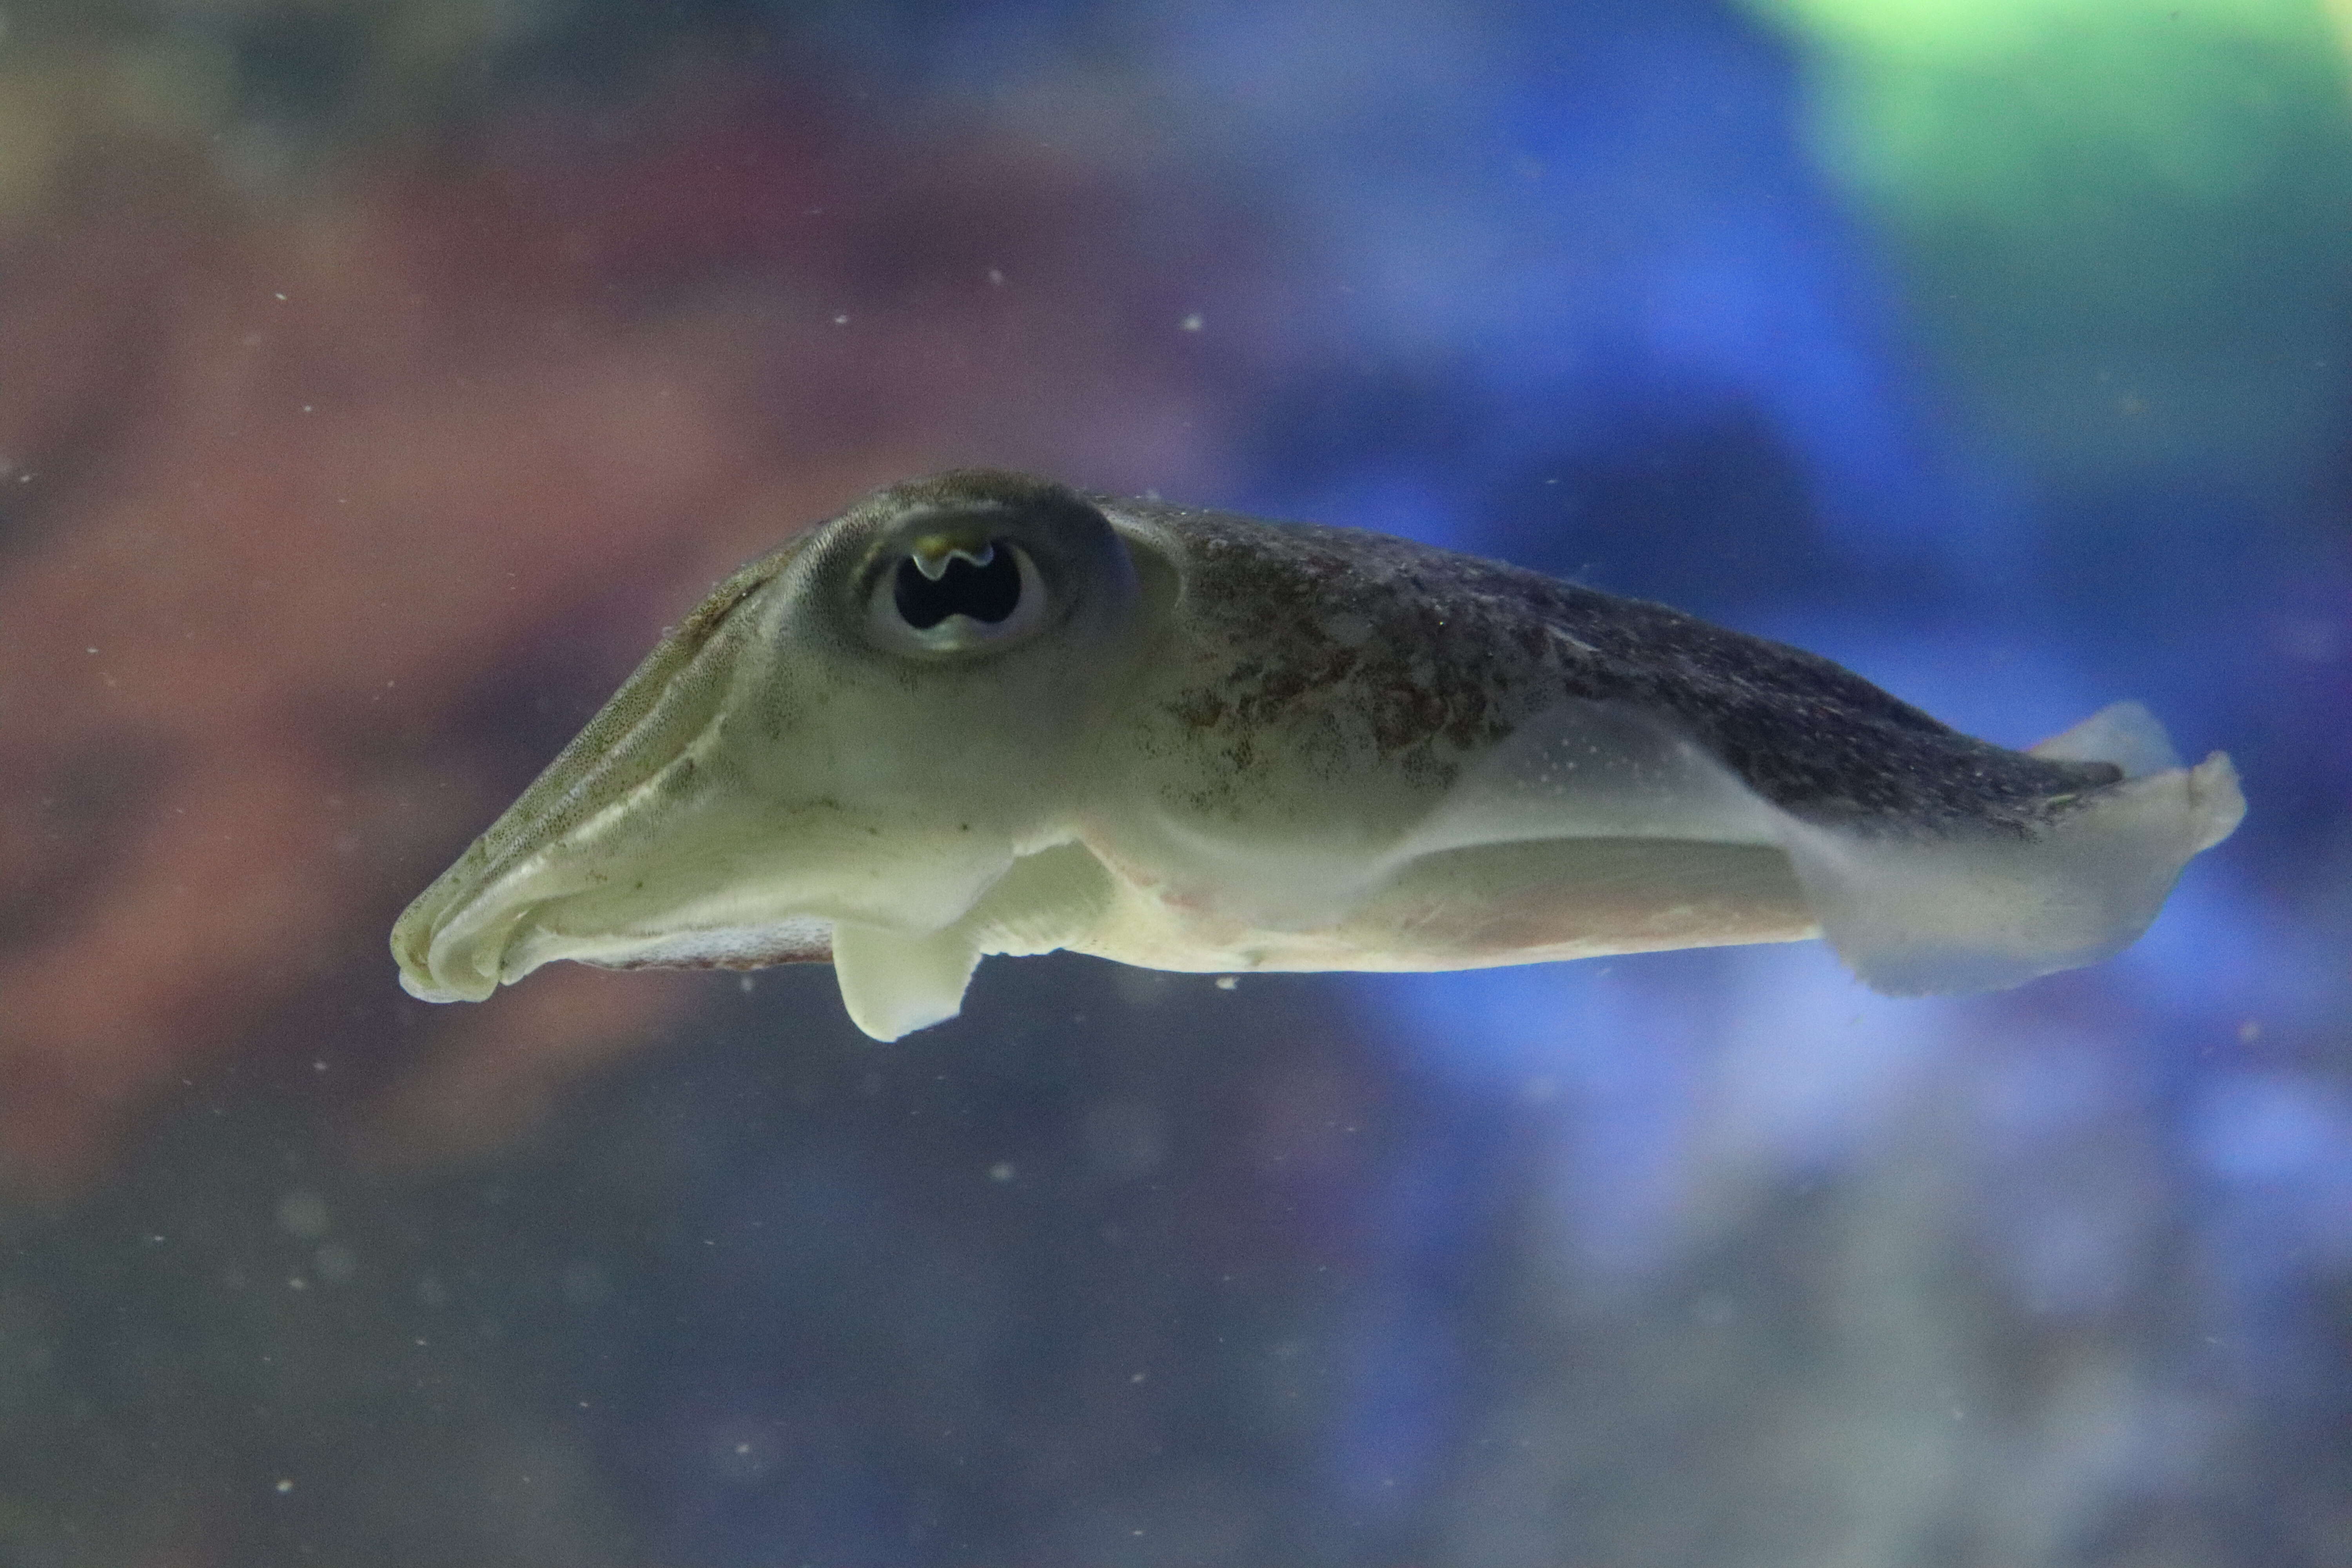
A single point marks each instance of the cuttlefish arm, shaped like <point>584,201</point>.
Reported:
<point>453,944</point>
<point>981,713</point>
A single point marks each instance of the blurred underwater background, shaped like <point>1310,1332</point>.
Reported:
<point>376,381</point>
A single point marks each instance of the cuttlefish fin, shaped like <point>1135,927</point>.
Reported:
<point>1919,914</point>
<point>1593,770</point>
<point>1913,908</point>
<point>1047,900</point>
<point>893,983</point>
<point>2124,733</point>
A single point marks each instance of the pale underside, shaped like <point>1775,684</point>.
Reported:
<point>1597,830</point>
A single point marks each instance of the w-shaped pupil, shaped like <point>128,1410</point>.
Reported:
<point>986,593</point>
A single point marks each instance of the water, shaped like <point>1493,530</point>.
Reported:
<point>381,378</point>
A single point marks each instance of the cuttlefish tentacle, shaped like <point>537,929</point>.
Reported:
<point>981,714</point>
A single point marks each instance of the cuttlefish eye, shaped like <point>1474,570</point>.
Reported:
<point>945,594</point>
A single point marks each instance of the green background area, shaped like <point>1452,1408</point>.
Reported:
<point>2126,226</point>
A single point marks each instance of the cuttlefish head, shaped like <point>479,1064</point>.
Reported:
<point>846,745</point>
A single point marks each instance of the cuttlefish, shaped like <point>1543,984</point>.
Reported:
<point>986,713</point>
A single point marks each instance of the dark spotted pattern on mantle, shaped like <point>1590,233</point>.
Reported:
<point>1443,655</point>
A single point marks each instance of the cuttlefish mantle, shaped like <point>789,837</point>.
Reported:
<point>982,713</point>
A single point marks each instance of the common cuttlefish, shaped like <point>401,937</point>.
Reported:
<point>985,713</point>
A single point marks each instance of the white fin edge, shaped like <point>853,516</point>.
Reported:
<point>2124,733</point>
<point>1922,910</point>
<point>1984,912</point>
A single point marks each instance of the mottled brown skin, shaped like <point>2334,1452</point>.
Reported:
<point>1457,651</point>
